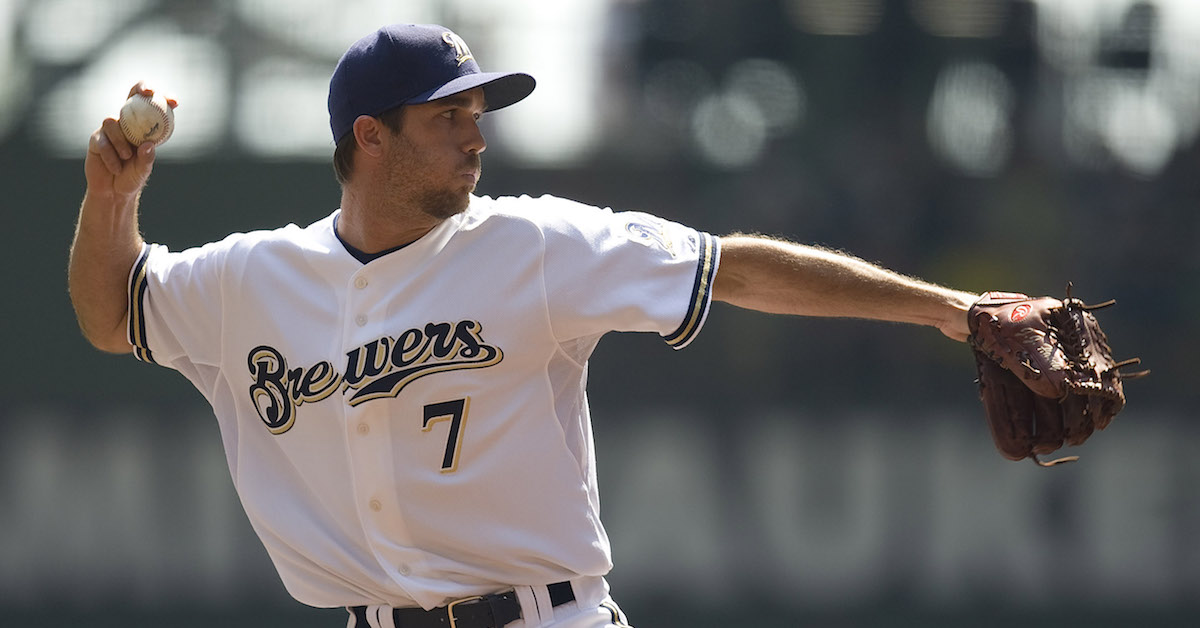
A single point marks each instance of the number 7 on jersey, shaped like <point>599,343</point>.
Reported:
<point>456,413</point>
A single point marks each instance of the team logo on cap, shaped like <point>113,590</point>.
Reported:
<point>461,53</point>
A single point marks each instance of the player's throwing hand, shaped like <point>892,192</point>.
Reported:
<point>113,166</point>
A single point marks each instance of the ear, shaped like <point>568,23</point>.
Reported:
<point>368,133</point>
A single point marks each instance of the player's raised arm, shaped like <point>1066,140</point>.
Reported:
<point>106,240</point>
<point>770,275</point>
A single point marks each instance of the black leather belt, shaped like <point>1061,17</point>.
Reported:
<point>484,611</point>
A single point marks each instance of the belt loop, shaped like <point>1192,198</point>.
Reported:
<point>387,619</point>
<point>373,616</point>
<point>529,606</point>
<point>545,608</point>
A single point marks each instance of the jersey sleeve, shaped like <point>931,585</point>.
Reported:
<point>175,304</point>
<point>626,271</point>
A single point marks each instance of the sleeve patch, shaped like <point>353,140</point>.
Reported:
<point>649,231</point>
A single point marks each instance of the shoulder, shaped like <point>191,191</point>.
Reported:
<point>240,246</point>
<point>554,216</point>
<point>545,208</point>
<point>550,215</point>
<point>291,236</point>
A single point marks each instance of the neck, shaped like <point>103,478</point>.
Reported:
<point>370,226</point>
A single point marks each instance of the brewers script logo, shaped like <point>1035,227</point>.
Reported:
<point>378,369</point>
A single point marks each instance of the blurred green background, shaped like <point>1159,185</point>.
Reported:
<point>779,471</point>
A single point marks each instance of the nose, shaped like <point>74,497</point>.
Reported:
<point>475,142</point>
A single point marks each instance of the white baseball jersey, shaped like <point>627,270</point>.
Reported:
<point>415,429</point>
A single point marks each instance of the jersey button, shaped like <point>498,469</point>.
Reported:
<point>360,320</point>
<point>363,429</point>
<point>375,505</point>
<point>360,283</point>
<point>404,569</point>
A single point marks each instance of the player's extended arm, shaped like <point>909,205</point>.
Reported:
<point>768,275</point>
<point>107,242</point>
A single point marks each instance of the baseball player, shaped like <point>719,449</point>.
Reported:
<point>400,386</point>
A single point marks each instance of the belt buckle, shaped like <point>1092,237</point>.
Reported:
<point>450,607</point>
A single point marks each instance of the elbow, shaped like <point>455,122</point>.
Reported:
<point>117,348</point>
<point>111,341</point>
<point>117,345</point>
<point>102,317</point>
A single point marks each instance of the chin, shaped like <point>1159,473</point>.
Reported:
<point>448,206</point>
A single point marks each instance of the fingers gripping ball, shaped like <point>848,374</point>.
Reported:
<point>1046,373</point>
<point>145,119</point>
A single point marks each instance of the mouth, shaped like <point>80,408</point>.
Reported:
<point>471,175</point>
<point>472,169</point>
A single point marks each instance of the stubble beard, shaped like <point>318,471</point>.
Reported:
<point>436,200</point>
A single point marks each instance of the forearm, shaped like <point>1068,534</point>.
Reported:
<point>785,278</point>
<point>105,247</point>
<point>107,242</point>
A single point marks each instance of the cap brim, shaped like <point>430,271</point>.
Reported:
<point>500,89</point>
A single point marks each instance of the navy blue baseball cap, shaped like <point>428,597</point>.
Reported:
<point>407,64</point>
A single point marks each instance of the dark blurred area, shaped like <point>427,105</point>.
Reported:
<point>779,471</point>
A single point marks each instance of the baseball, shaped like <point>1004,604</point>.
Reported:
<point>145,119</point>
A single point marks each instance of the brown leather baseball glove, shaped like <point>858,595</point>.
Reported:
<point>1046,373</point>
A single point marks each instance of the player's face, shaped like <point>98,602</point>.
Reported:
<point>434,161</point>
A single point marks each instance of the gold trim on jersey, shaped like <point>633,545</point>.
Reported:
<point>138,284</point>
<point>618,618</point>
<point>701,293</point>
